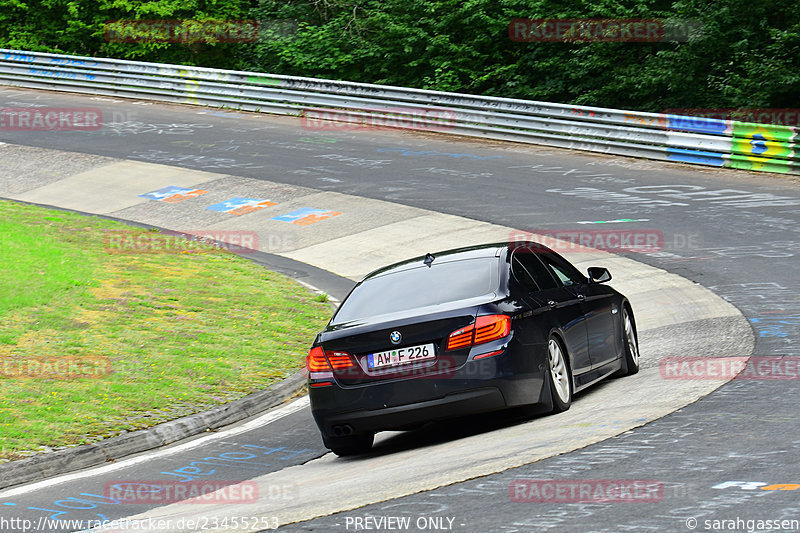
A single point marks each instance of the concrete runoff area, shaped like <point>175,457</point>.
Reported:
<point>675,316</point>
<point>111,188</point>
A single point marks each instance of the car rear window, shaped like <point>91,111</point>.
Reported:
<point>421,287</point>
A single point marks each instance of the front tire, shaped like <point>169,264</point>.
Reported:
<point>350,445</point>
<point>631,342</point>
<point>560,376</point>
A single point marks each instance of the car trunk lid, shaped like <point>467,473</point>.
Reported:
<point>395,349</point>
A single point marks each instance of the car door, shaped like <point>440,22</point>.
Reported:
<point>563,305</point>
<point>597,303</point>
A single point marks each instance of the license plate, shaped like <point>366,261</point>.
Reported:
<point>400,356</point>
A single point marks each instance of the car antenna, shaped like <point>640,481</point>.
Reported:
<point>429,259</point>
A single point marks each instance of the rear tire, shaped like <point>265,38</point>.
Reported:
<point>560,376</point>
<point>350,445</point>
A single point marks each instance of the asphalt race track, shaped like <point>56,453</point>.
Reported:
<point>731,455</point>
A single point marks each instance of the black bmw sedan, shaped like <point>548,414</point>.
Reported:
<point>461,332</point>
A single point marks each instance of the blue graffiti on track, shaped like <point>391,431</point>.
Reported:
<point>775,326</point>
<point>89,501</point>
<point>404,151</point>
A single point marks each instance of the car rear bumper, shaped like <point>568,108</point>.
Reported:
<point>452,405</point>
<point>481,386</point>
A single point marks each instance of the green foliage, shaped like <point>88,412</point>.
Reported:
<point>79,27</point>
<point>747,55</point>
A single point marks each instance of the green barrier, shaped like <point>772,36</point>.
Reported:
<point>771,132</point>
<point>763,164</point>
<point>763,147</point>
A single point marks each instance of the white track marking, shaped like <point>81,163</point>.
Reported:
<point>263,420</point>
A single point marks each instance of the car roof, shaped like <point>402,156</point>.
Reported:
<point>488,250</point>
<point>455,254</point>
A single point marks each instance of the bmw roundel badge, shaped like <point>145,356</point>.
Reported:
<point>395,337</point>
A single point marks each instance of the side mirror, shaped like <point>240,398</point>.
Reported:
<point>599,275</point>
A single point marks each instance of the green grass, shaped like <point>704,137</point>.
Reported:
<point>94,342</point>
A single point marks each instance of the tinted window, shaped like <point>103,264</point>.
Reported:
<point>531,272</point>
<point>420,287</point>
<point>566,273</point>
<point>521,274</point>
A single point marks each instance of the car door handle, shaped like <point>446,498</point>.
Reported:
<point>581,297</point>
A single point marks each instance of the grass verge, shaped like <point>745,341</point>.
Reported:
<point>94,342</point>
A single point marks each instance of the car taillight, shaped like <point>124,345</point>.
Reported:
<point>486,328</point>
<point>339,360</point>
<point>461,338</point>
<point>318,362</point>
<point>492,327</point>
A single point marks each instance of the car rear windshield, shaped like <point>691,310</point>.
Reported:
<point>421,287</point>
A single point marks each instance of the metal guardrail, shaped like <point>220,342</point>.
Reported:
<point>686,139</point>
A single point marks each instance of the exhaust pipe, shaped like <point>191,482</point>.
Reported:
<point>342,430</point>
